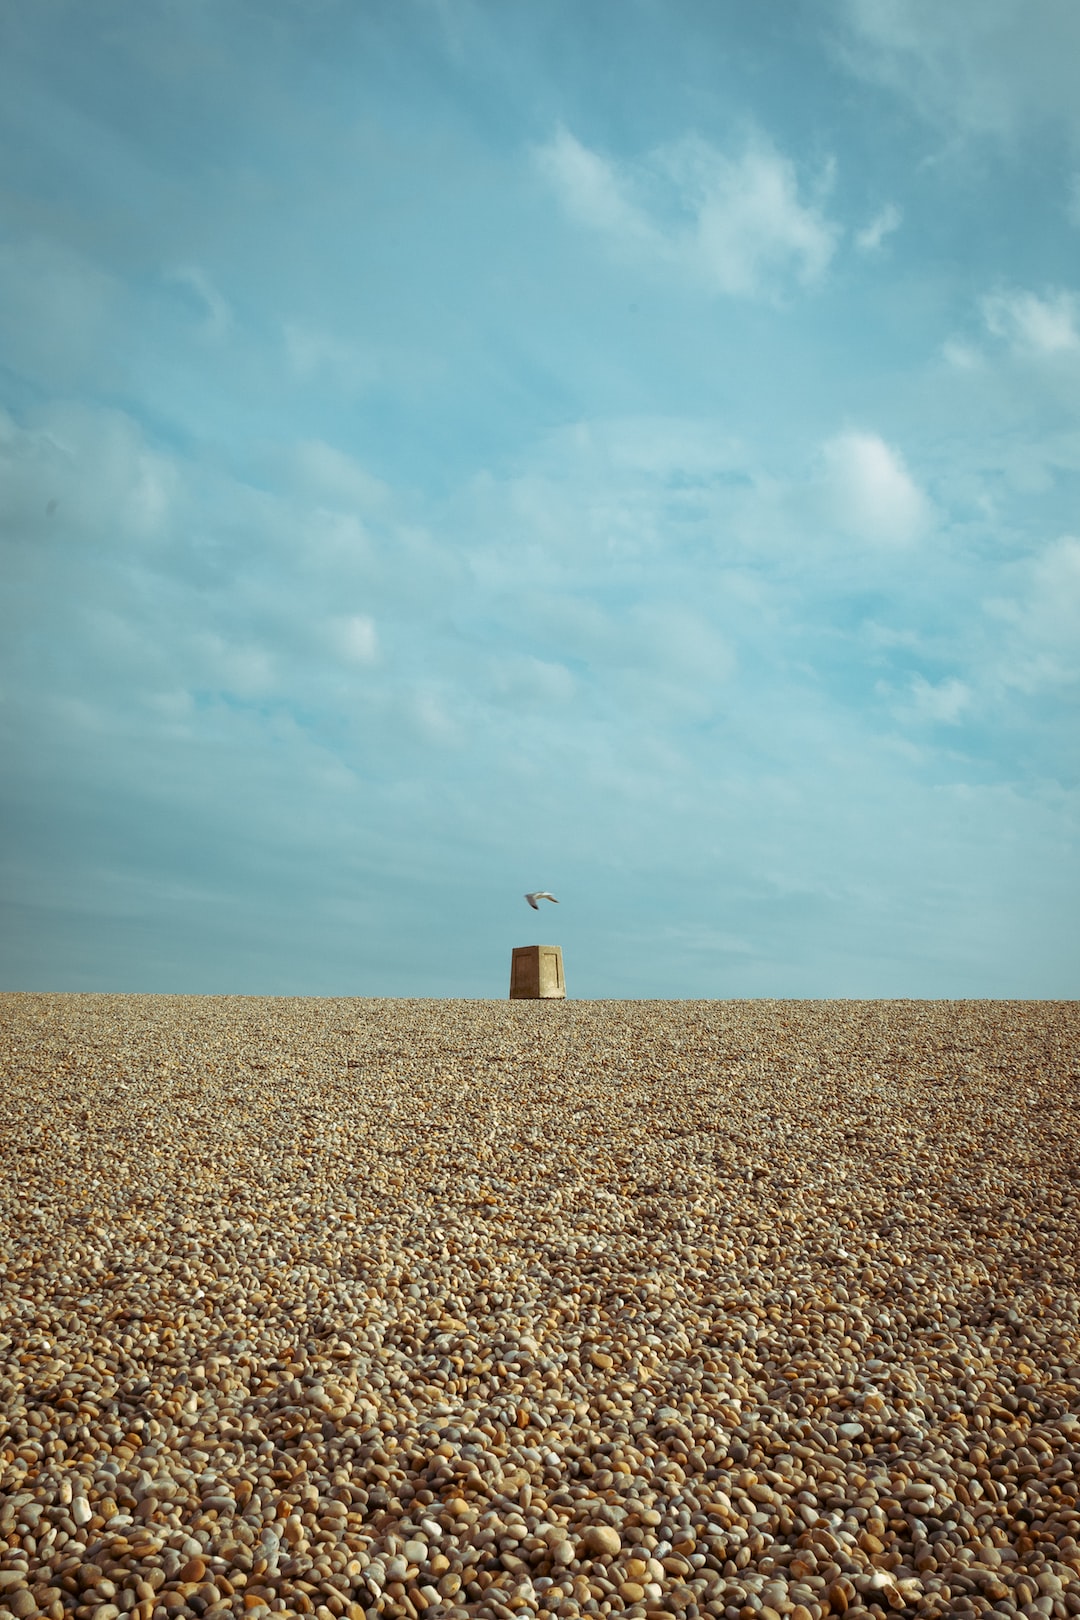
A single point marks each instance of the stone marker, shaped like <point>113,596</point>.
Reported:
<point>536,973</point>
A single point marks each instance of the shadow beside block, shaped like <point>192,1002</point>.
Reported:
<point>536,973</point>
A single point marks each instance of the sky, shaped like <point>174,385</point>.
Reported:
<point>628,448</point>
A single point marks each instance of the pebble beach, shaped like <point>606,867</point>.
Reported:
<point>456,1309</point>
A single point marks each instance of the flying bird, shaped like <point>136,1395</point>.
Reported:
<point>540,894</point>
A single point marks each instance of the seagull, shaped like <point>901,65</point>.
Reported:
<point>540,894</point>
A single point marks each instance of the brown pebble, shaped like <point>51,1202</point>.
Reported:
<point>601,1538</point>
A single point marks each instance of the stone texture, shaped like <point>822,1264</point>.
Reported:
<point>520,1308</point>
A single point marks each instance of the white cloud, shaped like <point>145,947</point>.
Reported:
<point>591,189</point>
<point>883,636</point>
<point>337,478</point>
<point>313,353</point>
<point>682,643</point>
<point>86,471</point>
<point>750,220</point>
<point>217,315</point>
<point>945,703</point>
<point>356,638</point>
<point>870,238</point>
<point>434,717</point>
<point>989,68</point>
<point>870,493</point>
<point>241,667</point>
<point>1043,649</point>
<point>1055,597</point>
<point>961,356</point>
<point>1072,205</point>
<point>735,223</point>
<point>657,447</point>
<point>1034,325</point>
<point>531,682</point>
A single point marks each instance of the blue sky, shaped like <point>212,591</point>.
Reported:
<point>626,448</point>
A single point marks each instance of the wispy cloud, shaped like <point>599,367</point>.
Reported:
<point>216,314</point>
<point>883,224</point>
<point>1072,200</point>
<point>1041,648</point>
<point>338,478</point>
<point>738,223</point>
<point>872,495</point>
<point>1032,324</point>
<point>356,636</point>
<point>974,69</point>
<point>944,702</point>
<point>316,355</point>
<point>83,469</point>
<point>960,355</point>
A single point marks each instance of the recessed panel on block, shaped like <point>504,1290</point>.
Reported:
<point>536,973</point>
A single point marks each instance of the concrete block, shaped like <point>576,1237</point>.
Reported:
<point>536,973</point>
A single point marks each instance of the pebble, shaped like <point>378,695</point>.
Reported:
<point>601,1538</point>
<point>353,1308</point>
